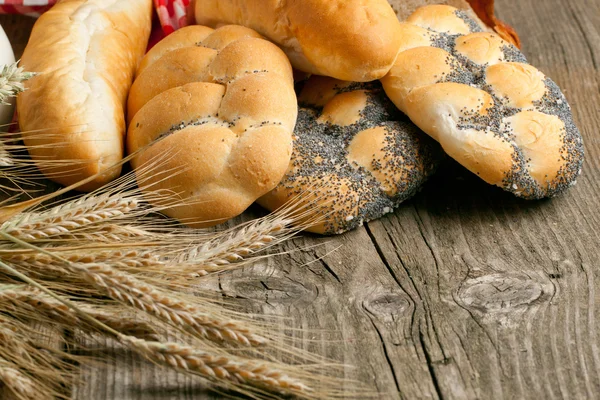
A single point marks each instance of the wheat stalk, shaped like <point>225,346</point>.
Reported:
<point>120,259</point>
<point>19,384</point>
<point>219,253</point>
<point>69,217</point>
<point>219,367</point>
<point>21,300</point>
<point>70,233</point>
<point>166,306</point>
<point>21,350</point>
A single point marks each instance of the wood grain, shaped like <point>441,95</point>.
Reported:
<point>464,293</point>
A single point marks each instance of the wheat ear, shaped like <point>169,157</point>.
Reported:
<point>237,245</point>
<point>229,368</point>
<point>21,300</point>
<point>63,219</point>
<point>120,259</point>
<point>21,386</point>
<point>11,81</point>
<point>124,287</point>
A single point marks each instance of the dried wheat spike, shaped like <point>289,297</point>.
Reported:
<point>69,217</point>
<point>219,367</point>
<point>125,259</point>
<point>218,253</point>
<point>124,287</point>
<point>29,302</point>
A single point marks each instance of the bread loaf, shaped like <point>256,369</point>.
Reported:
<point>73,112</point>
<point>223,104</point>
<point>355,157</point>
<point>354,40</point>
<point>476,95</point>
<point>482,11</point>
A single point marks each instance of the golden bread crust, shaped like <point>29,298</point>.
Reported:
<point>354,40</point>
<point>85,53</point>
<point>224,108</point>
<point>490,110</point>
<point>355,156</point>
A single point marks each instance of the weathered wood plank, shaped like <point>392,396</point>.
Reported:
<point>510,286</point>
<point>465,292</point>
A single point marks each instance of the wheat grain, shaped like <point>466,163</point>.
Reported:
<point>219,367</point>
<point>64,219</point>
<point>166,306</point>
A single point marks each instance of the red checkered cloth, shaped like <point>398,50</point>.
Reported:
<point>172,14</point>
<point>28,7</point>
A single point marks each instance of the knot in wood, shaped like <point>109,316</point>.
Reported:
<point>502,293</point>
<point>387,306</point>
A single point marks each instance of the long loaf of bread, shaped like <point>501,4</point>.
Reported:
<point>73,113</point>
<point>354,40</point>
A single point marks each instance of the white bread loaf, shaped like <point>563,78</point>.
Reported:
<point>223,104</point>
<point>354,40</point>
<point>476,95</point>
<point>355,157</point>
<point>85,53</point>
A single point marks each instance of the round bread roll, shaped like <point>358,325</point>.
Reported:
<point>476,95</point>
<point>354,40</point>
<point>355,157</point>
<point>223,103</point>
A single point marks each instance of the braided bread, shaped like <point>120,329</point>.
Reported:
<point>491,111</point>
<point>355,157</point>
<point>224,101</point>
<point>355,40</point>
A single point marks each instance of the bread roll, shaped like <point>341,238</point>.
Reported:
<point>476,95</point>
<point>86,52</point>
<point>482,11</point>
<point>223,104</point>
<point>354,40</point>
<point>355,157</point>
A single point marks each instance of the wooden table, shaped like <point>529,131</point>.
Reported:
<point>465,291</point>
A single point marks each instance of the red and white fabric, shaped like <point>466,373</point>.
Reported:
<point>28,7</point>
<point>172,14</point>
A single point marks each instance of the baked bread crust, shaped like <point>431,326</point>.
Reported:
<point>73,111</point>
<point>355,157</point>
<point>476,95</point>
<point>222,103</point>
<point>354,40</point>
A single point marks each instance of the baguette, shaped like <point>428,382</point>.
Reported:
<point>73,113</point>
